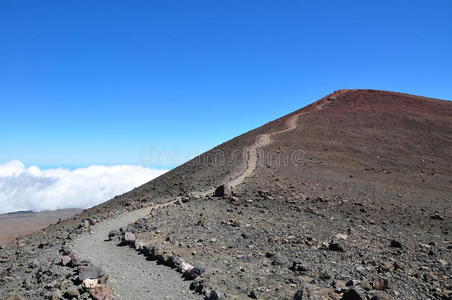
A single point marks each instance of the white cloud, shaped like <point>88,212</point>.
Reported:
<point>30,188</point>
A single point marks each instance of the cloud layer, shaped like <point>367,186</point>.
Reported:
<point>30,188</point>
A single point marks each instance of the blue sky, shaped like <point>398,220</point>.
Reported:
<point>99,82</point>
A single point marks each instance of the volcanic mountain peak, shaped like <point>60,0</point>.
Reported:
<point>354,188</point>
<point>369,99</point>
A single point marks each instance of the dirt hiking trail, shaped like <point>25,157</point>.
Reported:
<point>130,275</point>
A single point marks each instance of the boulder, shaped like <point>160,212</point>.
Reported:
<point>222,191</point>
<point>113,234</point>
<point>129,237</point>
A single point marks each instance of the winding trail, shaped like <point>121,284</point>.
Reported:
<point>262,140</point>
<point>131,276</point>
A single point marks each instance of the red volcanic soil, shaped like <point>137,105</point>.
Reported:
<point>361,168</point>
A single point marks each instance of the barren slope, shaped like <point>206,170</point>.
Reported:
<point>316,205</point>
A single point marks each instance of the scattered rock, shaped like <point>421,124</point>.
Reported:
<point>298,267</point>
<point>396,244</point>
<point>113,234</point>
<point>221,191</point>
<point>90,283</point>
<point>216,295</point>
<point>56,295</point>
<point>379,283</point>
<point>101,292</point>
<point>43,245</point>
<point>378,295</point>
<point>89,272</point>
<point>254,294</point>
<point>176,261</point>
<point>280,260</point>
<point>86,223</point>
<point>437,217</point>
<point>72,292</point>
<point>341,236</point>
<point>339,286</point>
<point>365,285</point>
<point>66,250</point>
<point>65,260</point>
<point>196,272</point>
<point>353,294</point>
<point>325,276</point>
<point>129,237</point>
<point>312,292</point>
<point>335,246</point>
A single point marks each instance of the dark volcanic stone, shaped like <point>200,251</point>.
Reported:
<point>113,234</point>
<point>396,244</point>
<point>196,272</point>
<point>220,191</point>
<point>352,294</point>
<point>216,295</point>
<point>254,295</point>
<point>438,217</point>
<point>335,246</point>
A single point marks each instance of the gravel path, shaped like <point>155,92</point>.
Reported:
<point>262,140</point>
<point>130,275</point>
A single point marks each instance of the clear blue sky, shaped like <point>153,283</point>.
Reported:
<point>97,82</point>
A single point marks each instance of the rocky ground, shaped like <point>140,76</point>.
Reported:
<point>351,203</point>
<point>265,245</point>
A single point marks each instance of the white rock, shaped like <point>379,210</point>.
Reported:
<point>185,267</point>
<point>341,236</point>
<point>90,283</point>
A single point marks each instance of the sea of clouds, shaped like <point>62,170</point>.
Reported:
<point>32,188</point>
